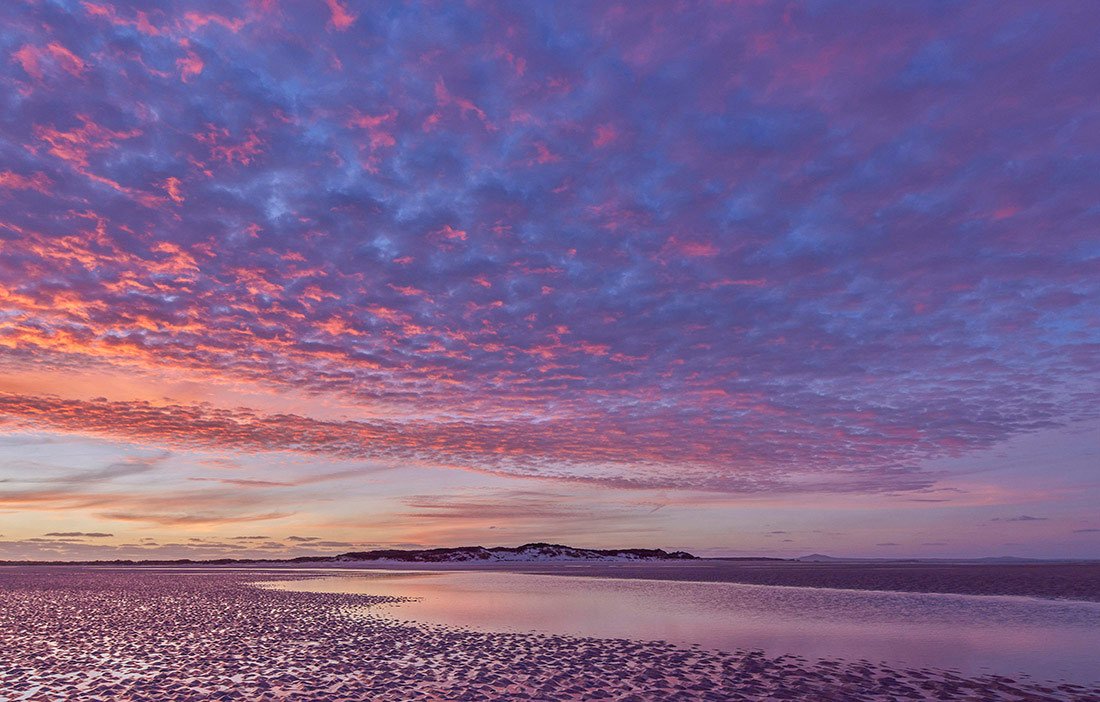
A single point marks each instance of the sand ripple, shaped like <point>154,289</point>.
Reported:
<point>99,635</point>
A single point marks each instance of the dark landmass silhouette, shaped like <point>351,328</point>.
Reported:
<point>528,553</point>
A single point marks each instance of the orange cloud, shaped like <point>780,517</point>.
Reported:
<point>172,185</point>
<point>190,66</point>
<point>36,60</point>
<point>341,17</point>
<point>379,137</point>
<point>107,12</point>
<point>196,20</point>
<point>445,98</point>
<point>449,232</point>
<point>75,145</point>
<point>14,181</point>
<point>218,139</point>
<point>600,451</point>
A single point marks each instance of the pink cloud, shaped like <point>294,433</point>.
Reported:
<point>341,19</point>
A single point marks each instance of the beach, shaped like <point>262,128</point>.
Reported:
<point>101,634</point>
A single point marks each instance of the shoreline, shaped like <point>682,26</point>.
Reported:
<point>1069,581</point>
<point>1050,581</point>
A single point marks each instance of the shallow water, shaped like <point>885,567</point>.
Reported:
<point>1013,636</point>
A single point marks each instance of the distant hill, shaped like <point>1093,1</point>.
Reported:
<point>536,552</point>
<point>528,553</point>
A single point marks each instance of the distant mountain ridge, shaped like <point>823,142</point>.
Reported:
<point>528,553</point>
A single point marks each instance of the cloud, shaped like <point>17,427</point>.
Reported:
<point>554,451</point>
<point>498,505</point>
<point>192,519</point>
<point>39,182</point>
<point>136,465</point>
<point>88,534</point>
<point>86,489</point>
<point>567,451</point>
<point>1021,518</point>
<point>147,548</point>
<point>110,493</point>
<point>469,516</point>
<point>599,260</point>
<point>1086,531</point>
<point>37,61</point>
<point>341,19</point>
<point>298,482</point>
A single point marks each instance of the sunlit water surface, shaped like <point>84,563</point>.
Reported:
<point>1014,636</point>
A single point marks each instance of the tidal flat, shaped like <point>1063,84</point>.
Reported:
<point>95,633</point>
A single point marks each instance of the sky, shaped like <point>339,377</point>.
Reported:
<point>297,277</point>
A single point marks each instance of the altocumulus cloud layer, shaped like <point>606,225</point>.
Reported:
<point>720,246</point>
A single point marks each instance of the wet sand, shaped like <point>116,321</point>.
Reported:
<point>194,634</point>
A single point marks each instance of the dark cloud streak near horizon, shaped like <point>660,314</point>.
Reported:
<point>720,247</point>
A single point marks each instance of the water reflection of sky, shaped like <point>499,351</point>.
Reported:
<point>1046,639</point>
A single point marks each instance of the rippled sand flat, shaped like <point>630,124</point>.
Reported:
<point>109,634</point>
